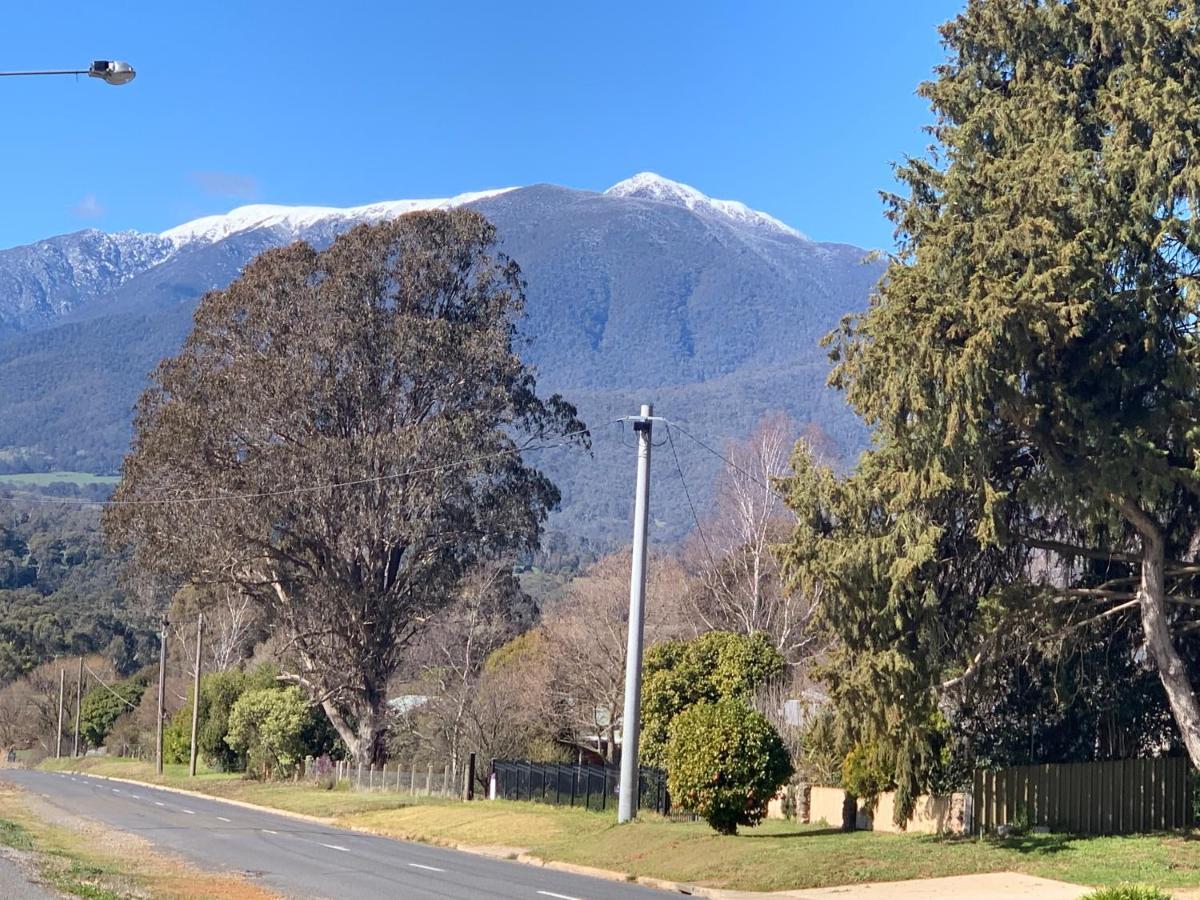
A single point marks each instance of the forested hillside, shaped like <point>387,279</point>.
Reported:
<point>59,589</point>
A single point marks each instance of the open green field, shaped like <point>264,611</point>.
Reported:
<point>45,479</point>
<point>774,856</point>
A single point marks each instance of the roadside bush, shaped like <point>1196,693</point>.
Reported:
<point>219,691</point>
<point>715,666</point>
<point>724,763</point>
<point>267,724</point>
<point>102,706</point>
<point>1128,892</point>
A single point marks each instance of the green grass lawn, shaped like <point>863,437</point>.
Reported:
<point>44,479</point>
<point>774,856</point>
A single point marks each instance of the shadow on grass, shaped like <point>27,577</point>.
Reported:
<point>808,832</point>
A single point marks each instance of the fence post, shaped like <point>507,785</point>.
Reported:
<point>371,778</point>
<point>359,776</point>
<point>574,775</point>
<point>470,791</point>
<point>412,779</point>
<point>429,780</point>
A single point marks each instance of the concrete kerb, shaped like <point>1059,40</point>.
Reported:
<point>513,854</point>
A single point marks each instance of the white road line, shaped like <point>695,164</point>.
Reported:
<point>157,803</point>
<point>116,790</point>
<point>269,831</point>
<point>190,812</point>
<point>136,796</point>
<point>559,896</point>
<point>223,819</point>
<point>336,847</point>
<point>430,868</point>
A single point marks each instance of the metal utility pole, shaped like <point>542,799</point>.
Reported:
<point>78,698</point>
<point>631,720</point>
<point>162,694</point>
<point>62,683</point>
<point>196,691</point>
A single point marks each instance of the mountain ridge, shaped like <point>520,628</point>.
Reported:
<point>650,293</point>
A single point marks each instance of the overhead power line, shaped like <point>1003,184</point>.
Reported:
<point>567,438</point>
<point>725,459</point>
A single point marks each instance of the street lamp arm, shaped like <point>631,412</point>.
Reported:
<point>110,71</point>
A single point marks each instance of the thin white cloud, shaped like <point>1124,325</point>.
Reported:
<point>89,207</point>
<point>227,184</point>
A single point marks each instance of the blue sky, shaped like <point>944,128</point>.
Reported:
<point>795,108</point>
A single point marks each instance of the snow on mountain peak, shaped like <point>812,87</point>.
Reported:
<point>294,219</point>
<point>650,186</point>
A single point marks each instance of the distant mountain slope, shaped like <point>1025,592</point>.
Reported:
<point>650,292</point>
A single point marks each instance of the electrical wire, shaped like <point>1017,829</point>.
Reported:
<point>688,495</point>
<point>104,685</point>
<point>567,438</point>
<point>726,460</point>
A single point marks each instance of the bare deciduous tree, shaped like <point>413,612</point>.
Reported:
<point>739,588</point>
<point>585,643</point>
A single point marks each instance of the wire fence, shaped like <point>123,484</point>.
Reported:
<point>423,779</point>
<point>589,786</point>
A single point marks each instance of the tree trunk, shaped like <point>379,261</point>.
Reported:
<point>1152,602</point>
<point>362,744</point>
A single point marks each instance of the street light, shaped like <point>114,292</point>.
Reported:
<point>111,71</point>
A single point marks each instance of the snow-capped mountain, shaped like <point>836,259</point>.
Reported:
<point>649,186</point>
<point>295,220</point>
<point>648,292</point>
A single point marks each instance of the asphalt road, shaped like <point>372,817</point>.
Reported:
<point>299,859</point>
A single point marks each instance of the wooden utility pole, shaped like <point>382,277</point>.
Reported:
<point>162,695</point>
<point>196,690</point>
<point>78,698</point>
<point>62,683</point>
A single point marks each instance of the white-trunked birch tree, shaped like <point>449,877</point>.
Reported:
<point>340,438</point>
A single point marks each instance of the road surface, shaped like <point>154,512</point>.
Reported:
<point>302,859</point>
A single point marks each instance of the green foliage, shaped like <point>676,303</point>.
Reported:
<point>177,735</point>
<point>59,592</point>
<point>101,706</point>
<point>1029,363</point>
<point>715,666</point>
<point>267,725</point>
<point>866,771</point>
<point>1128,892</point>
<point>725,762</point>
<point>219,691</point>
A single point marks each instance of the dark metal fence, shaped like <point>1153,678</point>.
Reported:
<point>1119,797</point>
<point>590,786</point>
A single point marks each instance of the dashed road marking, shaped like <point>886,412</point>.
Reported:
<point>157,803</point>
<point>190,812</point>
<point>269,831</point>
<point>223,819</point>
<point>559,896</point>
<point>116,790</point>
<point>336,847</point>
<point>430,868</point>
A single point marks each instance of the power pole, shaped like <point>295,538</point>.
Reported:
<point>78,698</point>
<point>632,718</point>
<point>196,691</point>
<point>162,695</point>
<point>62,683</point>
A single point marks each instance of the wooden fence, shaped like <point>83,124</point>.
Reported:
<point>1119,797</point>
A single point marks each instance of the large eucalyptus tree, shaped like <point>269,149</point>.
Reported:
<point>339,439</point>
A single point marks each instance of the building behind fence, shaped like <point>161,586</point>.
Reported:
<point>1117,797</point>
<point>589,786</point>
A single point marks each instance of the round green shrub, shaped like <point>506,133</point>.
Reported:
<point>724,763</point>
<point>1128,892</point>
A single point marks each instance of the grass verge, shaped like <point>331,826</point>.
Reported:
<point>773,856</point>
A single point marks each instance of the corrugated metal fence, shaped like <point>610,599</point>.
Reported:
<point>1119,797</point>
<point>591,786</point>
